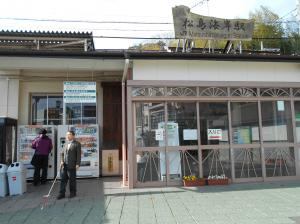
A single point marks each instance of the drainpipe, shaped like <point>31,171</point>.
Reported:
<point>124,160</point>
<point>7,97</point>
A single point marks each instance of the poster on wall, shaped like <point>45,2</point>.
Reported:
<point>79,92</point>
<point>190,134</point>
<point>110,162</point>
<point>214,134</point>
<point>280,105</point>
<point>159,134</point>
<point>242,135</point>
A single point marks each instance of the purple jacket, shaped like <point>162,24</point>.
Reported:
<point>42,145</point>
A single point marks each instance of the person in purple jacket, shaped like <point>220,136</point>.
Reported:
<point>42,146</point>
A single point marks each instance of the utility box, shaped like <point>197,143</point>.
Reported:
<point>16,174</point>
<point>3,180</point>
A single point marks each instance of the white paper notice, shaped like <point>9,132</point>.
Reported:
<point>214,134</point>
<point>190,134</point>
<point>280,105</point>
<point>159,134</point>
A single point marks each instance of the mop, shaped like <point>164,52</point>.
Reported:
<point>46,197</point>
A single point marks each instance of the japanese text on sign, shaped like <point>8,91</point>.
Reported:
<point>214,134</point>
<point>188,25</point>
<point>80,92</point>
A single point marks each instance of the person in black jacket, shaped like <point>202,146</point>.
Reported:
<point>70,162</point>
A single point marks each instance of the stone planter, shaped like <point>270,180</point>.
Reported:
<point>193,183</point>
<point>218,181</point>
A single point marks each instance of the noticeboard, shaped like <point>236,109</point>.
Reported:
<point>79,92</point>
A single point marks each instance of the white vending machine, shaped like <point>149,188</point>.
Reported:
<point>88,136</point>
<point>26,134</point>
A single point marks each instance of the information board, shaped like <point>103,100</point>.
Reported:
<point>79,92</point>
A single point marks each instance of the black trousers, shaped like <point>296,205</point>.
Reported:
<point>42,164</point>
<point>66,175</point>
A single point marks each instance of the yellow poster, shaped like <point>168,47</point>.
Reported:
<point>110,162</point>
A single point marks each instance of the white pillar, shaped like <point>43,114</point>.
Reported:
<point>9,97</point>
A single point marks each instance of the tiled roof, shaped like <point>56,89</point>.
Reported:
<point>46,40</point>
<point>56,34</point>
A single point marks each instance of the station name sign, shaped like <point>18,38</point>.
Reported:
<point>189,25</point>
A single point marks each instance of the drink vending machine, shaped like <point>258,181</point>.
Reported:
<point>88,136</point>
<point>26,134</point>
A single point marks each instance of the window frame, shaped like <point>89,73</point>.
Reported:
<point>41,95</point>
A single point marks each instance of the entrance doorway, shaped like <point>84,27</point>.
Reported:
<point>166,142</point>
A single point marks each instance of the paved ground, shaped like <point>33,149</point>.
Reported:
<point>104,201</point>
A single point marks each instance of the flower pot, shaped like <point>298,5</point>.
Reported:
<point>218,181</point>
<point>194,183</point>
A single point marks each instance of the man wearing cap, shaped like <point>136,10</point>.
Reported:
<point>70,162</point>
<point>42,146</point>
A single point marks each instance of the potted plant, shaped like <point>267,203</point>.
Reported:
<point>217,180</point>
<point>192,181</point>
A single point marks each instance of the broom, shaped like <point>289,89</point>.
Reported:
<point>46,197</point>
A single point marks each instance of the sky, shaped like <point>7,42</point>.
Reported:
<point>123,10</point>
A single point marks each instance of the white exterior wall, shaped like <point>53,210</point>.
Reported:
<point>9,98</point>
<point>191,70</point>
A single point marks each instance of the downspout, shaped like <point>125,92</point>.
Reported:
<point>7,97</point>
<point>124,160</point>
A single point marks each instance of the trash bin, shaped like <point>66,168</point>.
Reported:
<point>16,174</point>
<point>3,180</point>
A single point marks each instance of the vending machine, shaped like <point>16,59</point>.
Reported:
<point>88,136</point>
<point>26,134</point>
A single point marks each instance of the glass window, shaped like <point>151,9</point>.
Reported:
<point>81,113</point>
<point>46,110</point>
<point>73,113</point>
<point>244,118</point>
<point>247,163</point>
<point>183,163</point>
<point>150,166</point>
<point>89,113</point>
<point>55,110</point>
<point>213,123</point>
<point>280,162</point>
<point>183,116</point>
<point>216,162</point>
<point>297,119</point>
<point>150,124</point>
<point>276,121</point>
<point>39,109</point>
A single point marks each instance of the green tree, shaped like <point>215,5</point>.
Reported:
<point>151,46</point>
<point>268,30</point>
<point>291,44</point>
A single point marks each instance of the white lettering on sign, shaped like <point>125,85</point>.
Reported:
<point>214,134</point>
